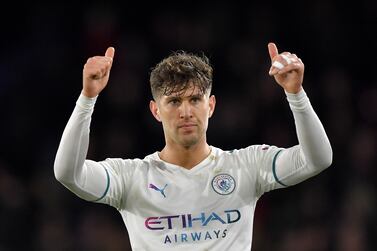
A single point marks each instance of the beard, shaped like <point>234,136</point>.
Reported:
<point>188,142</point>
<point>189,138</point>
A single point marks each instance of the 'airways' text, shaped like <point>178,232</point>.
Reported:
<point>195,236</point>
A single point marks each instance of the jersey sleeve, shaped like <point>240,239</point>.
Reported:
<point>262,165</point>
<point>119,174</point>
<point>282,167</point>
<point>102,181</point>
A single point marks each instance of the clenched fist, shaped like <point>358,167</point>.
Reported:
<point>96,73</point>
<point>287,69</point>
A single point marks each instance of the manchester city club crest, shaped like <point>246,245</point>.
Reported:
<point>223,184</point>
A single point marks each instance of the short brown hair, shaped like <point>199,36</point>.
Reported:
<point>178,71</point>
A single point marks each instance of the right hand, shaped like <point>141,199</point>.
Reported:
<point>96,73</point>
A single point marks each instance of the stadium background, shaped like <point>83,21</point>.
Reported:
<point>43,49</point>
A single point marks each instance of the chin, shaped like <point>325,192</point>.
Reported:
<point>189,142</point>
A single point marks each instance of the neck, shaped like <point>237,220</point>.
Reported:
<point>186,157</point>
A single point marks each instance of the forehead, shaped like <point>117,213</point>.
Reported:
<point>190,91</point>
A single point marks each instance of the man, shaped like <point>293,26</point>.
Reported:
<point>190,195</point>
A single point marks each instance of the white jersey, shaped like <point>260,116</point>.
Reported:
<point>209,207</point>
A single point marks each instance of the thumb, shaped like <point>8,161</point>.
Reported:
<point>272,50</point>
<point>110,52</point>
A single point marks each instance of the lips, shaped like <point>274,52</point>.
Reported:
<point>186,125</point>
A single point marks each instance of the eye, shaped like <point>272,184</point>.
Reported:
<point>196,99</point>
<point>174,101</point>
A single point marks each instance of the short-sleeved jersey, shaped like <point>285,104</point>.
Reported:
<point>209,207</point>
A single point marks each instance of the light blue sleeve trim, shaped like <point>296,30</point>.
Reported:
<point>274,169</point>
<point>107,186</point>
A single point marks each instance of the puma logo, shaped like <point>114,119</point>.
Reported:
<point>162,191</point>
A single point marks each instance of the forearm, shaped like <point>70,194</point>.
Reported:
<point>311,135</point>
<point>314,153</point>
<point>70,167</point>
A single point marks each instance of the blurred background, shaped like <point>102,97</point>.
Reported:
<point>43,50</point>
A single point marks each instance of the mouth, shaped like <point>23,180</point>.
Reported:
<point>187,125</point>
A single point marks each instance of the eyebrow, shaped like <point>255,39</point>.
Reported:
<point>172,97</point>
<point>190,96</point>
<point>196,96</point>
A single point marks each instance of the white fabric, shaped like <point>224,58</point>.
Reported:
<point>278,65</point>
<point>210,207</point>
<point>286,58</point>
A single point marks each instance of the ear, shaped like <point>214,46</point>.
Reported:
<point>154,109</point>
<point>212,105</point>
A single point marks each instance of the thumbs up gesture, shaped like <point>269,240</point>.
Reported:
<point>96,73</point>
<point>287,69</point>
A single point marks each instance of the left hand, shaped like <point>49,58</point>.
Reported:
<point>287,69</point>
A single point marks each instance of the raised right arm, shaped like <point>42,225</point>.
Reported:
<point>87,179</point>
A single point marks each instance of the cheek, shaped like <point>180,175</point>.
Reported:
<point>203,117</point>
<point>168,118</point>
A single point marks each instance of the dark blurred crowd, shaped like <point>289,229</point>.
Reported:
<point>44,48</point>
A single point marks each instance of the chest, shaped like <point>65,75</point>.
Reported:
<point>210,189</point>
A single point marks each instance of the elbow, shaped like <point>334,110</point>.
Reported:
<point>319,160</point>
<point>60,172</point>
<point>324,160</point>
<point>59,175</point>
<point>64,177</point>
<point>327,160</point>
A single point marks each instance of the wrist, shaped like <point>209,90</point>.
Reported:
<point>86,103</point>
<point>88,94</point>
<point>298,101</point>
<point>294,90</point>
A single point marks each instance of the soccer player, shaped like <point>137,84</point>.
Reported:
<point>190,195</point>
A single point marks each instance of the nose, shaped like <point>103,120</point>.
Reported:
<point>185,110</point>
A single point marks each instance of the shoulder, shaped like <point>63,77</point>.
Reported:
<point>128,164</point>
<point>250,153</point>
<point>244,150</point>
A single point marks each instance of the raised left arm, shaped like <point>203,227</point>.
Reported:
<point>314,153</point>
